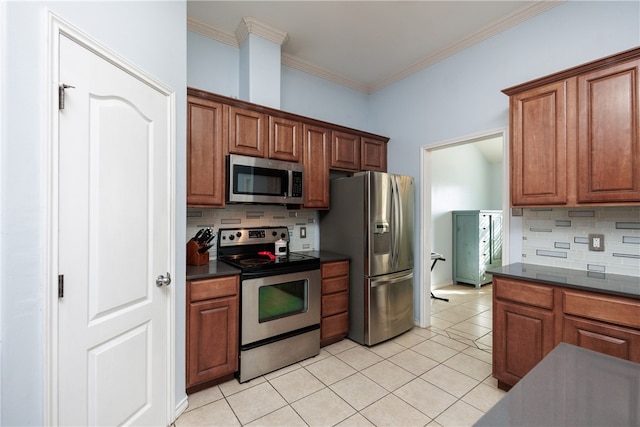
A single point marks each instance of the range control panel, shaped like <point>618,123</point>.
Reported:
<point>251,236</point>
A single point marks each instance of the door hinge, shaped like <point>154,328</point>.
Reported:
<point>61,88</point>
<point>60,285</point>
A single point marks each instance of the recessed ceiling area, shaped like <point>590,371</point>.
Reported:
<point>365,45</point>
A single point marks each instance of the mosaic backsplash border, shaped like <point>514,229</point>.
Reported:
<point>255,216</point>
<point>558,237</point>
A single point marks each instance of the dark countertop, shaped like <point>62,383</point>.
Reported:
<point>572,386</point>
<point>217,268</point>
<point>613,284</point>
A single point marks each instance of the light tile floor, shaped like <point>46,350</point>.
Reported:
<point>438,376</point>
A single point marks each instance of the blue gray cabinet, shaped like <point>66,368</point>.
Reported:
<point>477,245</point>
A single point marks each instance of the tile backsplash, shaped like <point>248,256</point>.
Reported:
<point>256,216</point>
<point>559,237</point>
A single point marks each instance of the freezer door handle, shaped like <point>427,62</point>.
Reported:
<point>376,283</point>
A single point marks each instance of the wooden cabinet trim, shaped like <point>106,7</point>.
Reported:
<point>574,71</point>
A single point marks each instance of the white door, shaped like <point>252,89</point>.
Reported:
<point>115,236</point>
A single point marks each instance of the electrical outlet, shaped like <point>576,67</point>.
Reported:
<point>596,242</point>
<point>303,232</point>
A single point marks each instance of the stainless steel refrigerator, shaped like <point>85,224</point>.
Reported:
<point>371,220</point>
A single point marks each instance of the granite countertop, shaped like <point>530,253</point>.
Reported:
<point>217,268</point>
<point>613,284</point>
<point>572,386</point>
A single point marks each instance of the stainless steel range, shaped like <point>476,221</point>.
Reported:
<point>279,299</point>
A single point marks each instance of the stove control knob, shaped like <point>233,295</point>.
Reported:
<point>283,235</point>
<point>238,234</point>
<point>274,233</point>
<point>231,237</point>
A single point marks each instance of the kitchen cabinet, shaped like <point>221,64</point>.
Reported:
<point>285,139</point>
<point>316,156</point>
<point>575,135</point>
<point>247,132</point>
<point>205,157</point>
<point>607,324</point>
<point>477,245</point>
<point>524,329</point>
<point>334,324</point>
<point>219,125</point>
<point>212,331</point>
<point>345,151</point>
<point>373,154</point>
<point>530,319</point>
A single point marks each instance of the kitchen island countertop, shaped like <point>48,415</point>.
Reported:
<point>572,386</point>
<point>612,284</point>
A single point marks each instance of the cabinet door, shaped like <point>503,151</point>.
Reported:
<point>247,132</point>
<point>539,146</point>
<point>345,151</point>
<point>316,154</point>
<point>373,155</point>
<point>601,337</point>
<point>212,339</point>
<point>609,134</point>
<point>285,139</point>
<point>205,157</point>
<point>522,336</point>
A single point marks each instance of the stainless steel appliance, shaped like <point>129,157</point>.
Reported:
<point>256,180</point>
<point>371,220</point>
<point>279,299</point>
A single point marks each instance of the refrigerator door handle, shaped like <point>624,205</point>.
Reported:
<point>397,221</point>
<point>376,283</point>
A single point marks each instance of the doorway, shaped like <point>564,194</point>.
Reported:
<point>467,173</point>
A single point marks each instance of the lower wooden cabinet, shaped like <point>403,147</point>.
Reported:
<point>530,319</point>
<point>212,331</point>
<point>334,324</point>
<point>522,337</point>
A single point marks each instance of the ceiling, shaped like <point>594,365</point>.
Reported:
<point>364,45</point>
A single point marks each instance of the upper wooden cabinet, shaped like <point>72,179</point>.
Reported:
<point>609,134</point>
<point>205,157</point>
<point>345,151</point>
<point>575,135</point>
<point>218,125</point>
<point>373,154</point>
<point>316,153</point>
<point>247,132</point>
<point>285,139</point>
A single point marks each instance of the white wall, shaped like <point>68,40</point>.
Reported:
<point>461,95</point>
<point>461,179</point>
<point>156,45</point>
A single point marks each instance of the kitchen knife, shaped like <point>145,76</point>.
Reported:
<point>198,234</point>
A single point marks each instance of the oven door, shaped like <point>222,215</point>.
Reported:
<point>279,304</point>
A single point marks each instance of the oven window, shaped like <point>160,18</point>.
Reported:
<point>282,300</point>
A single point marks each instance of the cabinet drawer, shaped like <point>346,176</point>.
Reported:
<point>213,288</point>
<point>334,325</point>
<point>335,303</point>
<point>620,311</point>
<point>335,269</point>
<point>524,293</point>
<point>601,337</point>
<point>336,284</point>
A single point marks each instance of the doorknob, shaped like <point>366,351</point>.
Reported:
<point>163,281</point>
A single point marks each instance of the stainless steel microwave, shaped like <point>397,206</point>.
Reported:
<point>257,180</point>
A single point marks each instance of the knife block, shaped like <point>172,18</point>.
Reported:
<point>193,257</point>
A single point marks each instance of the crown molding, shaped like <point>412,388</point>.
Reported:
<point>304,66</point>
<point>250,25</point>
<point>212,32</point>
<point>480,35</point>
<point>276,35</point>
